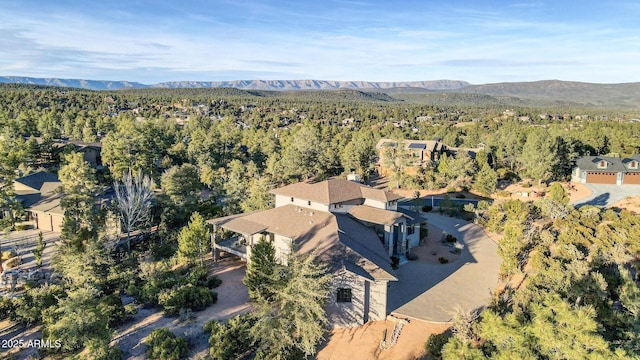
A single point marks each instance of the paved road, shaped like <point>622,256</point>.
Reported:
<point>432,291</point>
<point>605,195</point>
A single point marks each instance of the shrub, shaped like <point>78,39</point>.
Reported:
<point>29,308</point>
<point>395,262</point>
<point>435,343</point>
<point>412,256</point>
<point>230,340</point>
<point>111,305</point>
<point>213,282</point>
<point>443,260</point>
<point>187,297</point>
<point>197,276</point>
<point>13,262</point>
<point>450,238</point>
<point>8,254</point>
<point>6,307</point>
<point>451,190</point>
<point>164,345</point>
<point>424,232</point>
<point>526,185</point>
<point>22,227</point>
<point>427,208</point>
<point>503,193</point>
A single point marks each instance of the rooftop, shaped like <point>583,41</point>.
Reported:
<point>334,191</point>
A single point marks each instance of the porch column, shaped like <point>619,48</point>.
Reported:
<point>214,250</point>
<point>389,234</point>
<point>403,245</point>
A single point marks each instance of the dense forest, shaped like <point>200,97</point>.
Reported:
<point>176,145</point>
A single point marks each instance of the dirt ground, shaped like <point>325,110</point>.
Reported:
<point>364,342</point>
<point>631,203</point>
<point>431,249</point>
<point>232,300</point>
<point>578,192</point>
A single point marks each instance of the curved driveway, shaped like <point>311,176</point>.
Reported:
<point>432,292</point>
<point>606,195</point>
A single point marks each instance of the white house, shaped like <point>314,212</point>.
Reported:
<point>353,228</point>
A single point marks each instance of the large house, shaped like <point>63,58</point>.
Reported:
<point>37,194</point>
<point>352,228</point>
<point>607,170</point>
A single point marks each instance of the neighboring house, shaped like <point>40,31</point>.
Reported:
<point>352,228</point>
<point>38,196</point>
<point>607,170</point>
<point>91,152</point>
<point>419,152</point>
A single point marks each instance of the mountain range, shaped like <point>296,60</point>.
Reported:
<point>626,95</point>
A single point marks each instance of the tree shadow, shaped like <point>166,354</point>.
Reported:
<point>600,200</point>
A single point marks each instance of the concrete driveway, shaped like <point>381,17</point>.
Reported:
<point>431,292</point>
<point>606,195</point>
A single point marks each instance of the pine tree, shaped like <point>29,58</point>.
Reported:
<point>260,277</point>
<point>193,240</point>
<point>291,324</point>
<point>37,252</point>
<point>486,180</point>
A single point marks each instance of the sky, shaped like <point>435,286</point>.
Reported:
<point>215,40</point>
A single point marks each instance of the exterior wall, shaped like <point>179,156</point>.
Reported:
<point>91,156</point>
<point>49,222</point>
<point>282,246</point>
<point>21,187</point>
<point>375,203</point>
<point>282,200</point>
<point>344,207</point>
<point>368,301</point>
<point>414,239</point>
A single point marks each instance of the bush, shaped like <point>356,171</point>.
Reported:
<point>424,232</point>
<point>427,208</point>
<point>395,262</point>
<point>412,256</point>
<point>526,185</point>
<point>230,340</point>
<point>8,254</point>
<point>213,282</point>
<point>435,343</point>
<point>13,262</point>
<point>111,305</point>
<point>29,308</point>
<point>164,345</point>
<point>450,238</point>
<point>22,227</point>
<point>503,193</point>
<point>6,307</point>
<point>451,190</point>
<point>187,297</point>
<point>443,260</point>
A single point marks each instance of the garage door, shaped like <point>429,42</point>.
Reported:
<point>601,178</point>
<point>632,178</point>
<point>44,222</point>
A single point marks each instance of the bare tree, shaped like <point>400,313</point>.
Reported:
<point>133,195</point>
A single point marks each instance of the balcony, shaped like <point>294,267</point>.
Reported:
<point>236,245</point>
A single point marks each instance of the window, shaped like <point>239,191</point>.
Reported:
<point>291,199</point>
<point>309,203</point>
<point>344,295</point>
<point>411,229</point>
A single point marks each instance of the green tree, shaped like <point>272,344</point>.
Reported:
<point>194,240</point>
<point>77,321</point>
<point>37,252</point>
<point>557,193</point>
<point>78,203</point>
<point>539,156</point>
<point>486,180</point>
<point>165,345</point>
<point>262,271</point>
<point>291,324</point>
<point>360,154</point>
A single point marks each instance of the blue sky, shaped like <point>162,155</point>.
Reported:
<point>477,41</point>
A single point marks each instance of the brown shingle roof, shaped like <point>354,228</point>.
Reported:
<point>374,215</point>
<point>337,240</point>
<point>333,191</point>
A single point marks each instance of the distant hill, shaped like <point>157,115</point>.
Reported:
<point>73,83</point>
<point>588,94</point>
<point>537,93</point>
<point>285,85</point>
